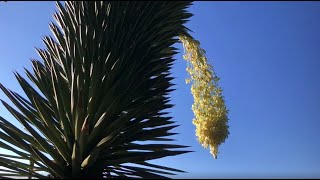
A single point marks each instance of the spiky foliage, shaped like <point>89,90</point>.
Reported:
<point>96,100</point>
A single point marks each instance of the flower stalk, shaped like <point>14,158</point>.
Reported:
<point>210,112</point>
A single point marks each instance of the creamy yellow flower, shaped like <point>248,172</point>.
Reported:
<point>211,114</point>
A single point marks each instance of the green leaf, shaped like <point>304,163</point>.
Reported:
<point>101,84</point>
<point>41,140</point>
<point>76,167</point>
<point>93,156</point>
<point>21,168</point>
<point>55,169</point>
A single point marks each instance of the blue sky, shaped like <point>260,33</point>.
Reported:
<point>268,58</point>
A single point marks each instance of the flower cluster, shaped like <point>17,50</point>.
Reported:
<point>209,109</point>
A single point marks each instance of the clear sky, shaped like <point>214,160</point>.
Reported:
<point>267,55</point>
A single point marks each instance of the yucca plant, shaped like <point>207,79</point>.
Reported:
<point>95,103</point>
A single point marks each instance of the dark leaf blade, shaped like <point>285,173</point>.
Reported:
<point>41,140</point>
<point>55,169</point>
<point>103,84</point>
<point>21,171</point>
